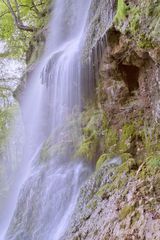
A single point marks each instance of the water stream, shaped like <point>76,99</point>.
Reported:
<point>43,207</point>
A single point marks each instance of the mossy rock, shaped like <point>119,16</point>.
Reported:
<point>111,141</point>
<point>94,123</point>
<point>92,205</point>
<point>125,211</point>
<point>140,22</point>
<point>134,19</point>
<point>101,160</point>
<point>88,148</point>
<point>145,42</point>
<point>104,191</point>
<point>153,161</point>
<point>128,132</point>
<point>135,217</point>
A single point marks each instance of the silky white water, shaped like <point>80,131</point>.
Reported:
<point>49,191</point>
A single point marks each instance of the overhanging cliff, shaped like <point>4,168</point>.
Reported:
<point>121,199</point>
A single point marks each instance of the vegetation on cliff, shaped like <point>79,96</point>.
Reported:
<point>123,124</point>
<point>123,193</point>
<point>20,21</point>
<point>21,24</point>
<point>21,41</point>
<point>140,20</point>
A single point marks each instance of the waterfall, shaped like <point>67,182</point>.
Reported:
<point>43,207</point>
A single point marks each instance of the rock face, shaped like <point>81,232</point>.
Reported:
<point>100,18</point>
<point>120,129</point>
<point>105,212</point>
<point>129,72</point>
<point>121,199</point>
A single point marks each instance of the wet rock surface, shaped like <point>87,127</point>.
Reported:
<point>105,212</point>
<point>122,201</point>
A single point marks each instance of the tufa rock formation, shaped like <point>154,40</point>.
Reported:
<point>121,199</point>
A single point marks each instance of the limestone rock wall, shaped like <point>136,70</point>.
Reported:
<point>121,199</point>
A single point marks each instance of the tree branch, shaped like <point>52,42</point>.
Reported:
<point>17,19</point>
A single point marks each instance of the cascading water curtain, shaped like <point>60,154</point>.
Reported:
<point>50,189</point>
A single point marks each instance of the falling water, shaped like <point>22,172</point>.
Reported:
<point>49,191</point>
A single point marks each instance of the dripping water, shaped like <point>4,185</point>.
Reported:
<point>44,195</point>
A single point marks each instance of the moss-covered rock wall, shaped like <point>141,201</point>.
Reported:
<point>121,199</point>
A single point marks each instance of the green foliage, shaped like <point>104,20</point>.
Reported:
<point>154,161</point>
<point>7,26</point>
<point>6,116</point>
<point>144,42</point>
<point>18,40</point>
<point>142,22</point>
<point>134,18</point>
<point>121,13</point>
<point>153,15</point>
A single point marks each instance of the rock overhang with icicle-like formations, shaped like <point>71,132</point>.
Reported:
<point>121,50</point>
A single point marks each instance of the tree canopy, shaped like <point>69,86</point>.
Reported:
<point>19,20</point>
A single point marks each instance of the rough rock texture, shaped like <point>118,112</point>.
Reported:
<point>106,212</point>
<point>100,18</point>
<point>128,72</point>
<point>121,199</point>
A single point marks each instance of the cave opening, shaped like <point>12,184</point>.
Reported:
<point>113,37</point>
<point>130,75</point>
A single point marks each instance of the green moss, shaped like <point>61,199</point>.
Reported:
<point>120,182</point>
<point>103,189</point>
<point>102,96</point>
<point>123,168</point>
<point>135,218</point>
<point>94,123</point>
<point>111,140</point>
<point>101,160</point>
<point>154,18</point>
<point>121,13</point>
<point>119,178</point>
<point>153,9</point>
<point>144,42</point>
<point>92,205</point>
<point>125,211</point>
<point>150,139</point>
<point>125,157</point>
<point>93,127</point>
<point>88,148</point>
<point>154,161</point>
<point>134,19</point>
<point>143,22</point>
<point>128,131</point>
